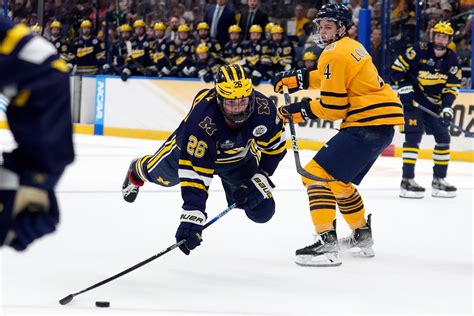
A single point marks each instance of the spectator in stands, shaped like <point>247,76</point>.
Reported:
<point>253,16</point>
<point>308,27</point>
<point>220,17</point>
<point>300,19</point>
<point>376,49</point>
<point>173,29</point>
<point>355,6</point>
<point>310,61</point>
<point>282,50</point>
<point>426,35</point>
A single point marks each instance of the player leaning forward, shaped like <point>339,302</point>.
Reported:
<point>351,91</point>
<point>231,131</point>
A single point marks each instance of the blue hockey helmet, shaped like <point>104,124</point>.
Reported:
<point>340,14</point>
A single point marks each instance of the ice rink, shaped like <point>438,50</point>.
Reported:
<point>423,261</point>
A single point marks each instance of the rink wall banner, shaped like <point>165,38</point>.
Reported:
<point>99,105</point>
<point>140,105</point>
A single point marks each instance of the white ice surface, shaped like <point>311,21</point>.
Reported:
<point>423,261</point>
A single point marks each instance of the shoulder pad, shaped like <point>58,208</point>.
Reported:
<point>330,47</point>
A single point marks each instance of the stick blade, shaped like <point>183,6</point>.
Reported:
<point>66,300</point>
<point>468,134</point>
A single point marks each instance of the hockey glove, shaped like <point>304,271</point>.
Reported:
<point>406,95</point>
<point>192,224</point>
<point>254,191</point>
<point>32,213</point>
<point>125,74</point>
<point>446,116</point>
<point>294,79</point>
<point>300,111</point>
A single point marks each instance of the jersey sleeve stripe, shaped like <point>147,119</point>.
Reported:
<point>397,68</point>
<point>183,162</point>
<point>193,185</point>
<point>333,106</point>
<point>374,106</point>
<point>191,175</point>
<point>12,38</point>
<point>333,94</point>
<point>274,152</point>
<point>335,101</point>
<point>265,144</point>
<point>378,117</point>
<point>404,62</point>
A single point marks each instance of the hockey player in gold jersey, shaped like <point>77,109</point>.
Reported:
<point>351,91</point>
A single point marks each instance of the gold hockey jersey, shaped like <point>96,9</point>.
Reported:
<point>351,88</point>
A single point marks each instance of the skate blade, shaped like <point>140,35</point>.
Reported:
<point>366,252</point>
<point>324,260</point>
<point>411,195</point>
<point>443,194</point>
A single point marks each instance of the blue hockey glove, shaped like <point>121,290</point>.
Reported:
<point>254,191</point>
<point>192,224</point>
<point>406,95</point>
<point>446,116</point>
<point>30,213</point>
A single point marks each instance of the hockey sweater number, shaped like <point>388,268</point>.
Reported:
<point>327,73</point>
<point>196,148</point>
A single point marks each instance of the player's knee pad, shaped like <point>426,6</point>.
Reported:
<point>315,169</point>
<point>338,188</point>
<point>263,212</point>
<point>442,139</point>
<point>413,138</point>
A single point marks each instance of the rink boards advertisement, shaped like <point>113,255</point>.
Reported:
<point>154,108</point>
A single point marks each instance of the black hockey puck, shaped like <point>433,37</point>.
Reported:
<point>102,304</point>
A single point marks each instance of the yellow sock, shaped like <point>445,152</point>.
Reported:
<point>322,204</point>
<point>352,209</point>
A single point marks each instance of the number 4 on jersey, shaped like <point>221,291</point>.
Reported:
<point>327,73</point>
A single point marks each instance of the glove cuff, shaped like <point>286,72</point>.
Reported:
<point>406,89</point>
<point>263,184</point>
<point>306,110</point>
<point>193,217</point>
<point>303,76</point>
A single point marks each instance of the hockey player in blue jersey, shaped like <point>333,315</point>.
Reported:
<point>231,131</point>
<point>35,81</point>
<point>428,74</point>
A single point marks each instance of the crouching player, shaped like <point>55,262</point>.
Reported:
<point>232,131</point>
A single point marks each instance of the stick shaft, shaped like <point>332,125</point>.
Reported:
<point>426,110</point>
<point>156,256</point>
<point>294,145</point>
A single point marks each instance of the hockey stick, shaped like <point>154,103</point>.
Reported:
<point>426,110</point>
<point>294,145</point>
<point>70,297</point>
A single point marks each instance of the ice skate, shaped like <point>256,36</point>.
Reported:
<point>442,188</point>
<point>324,252</point>
<point>360,242</point>
<point>410,189</point>
<point>130,185</point>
